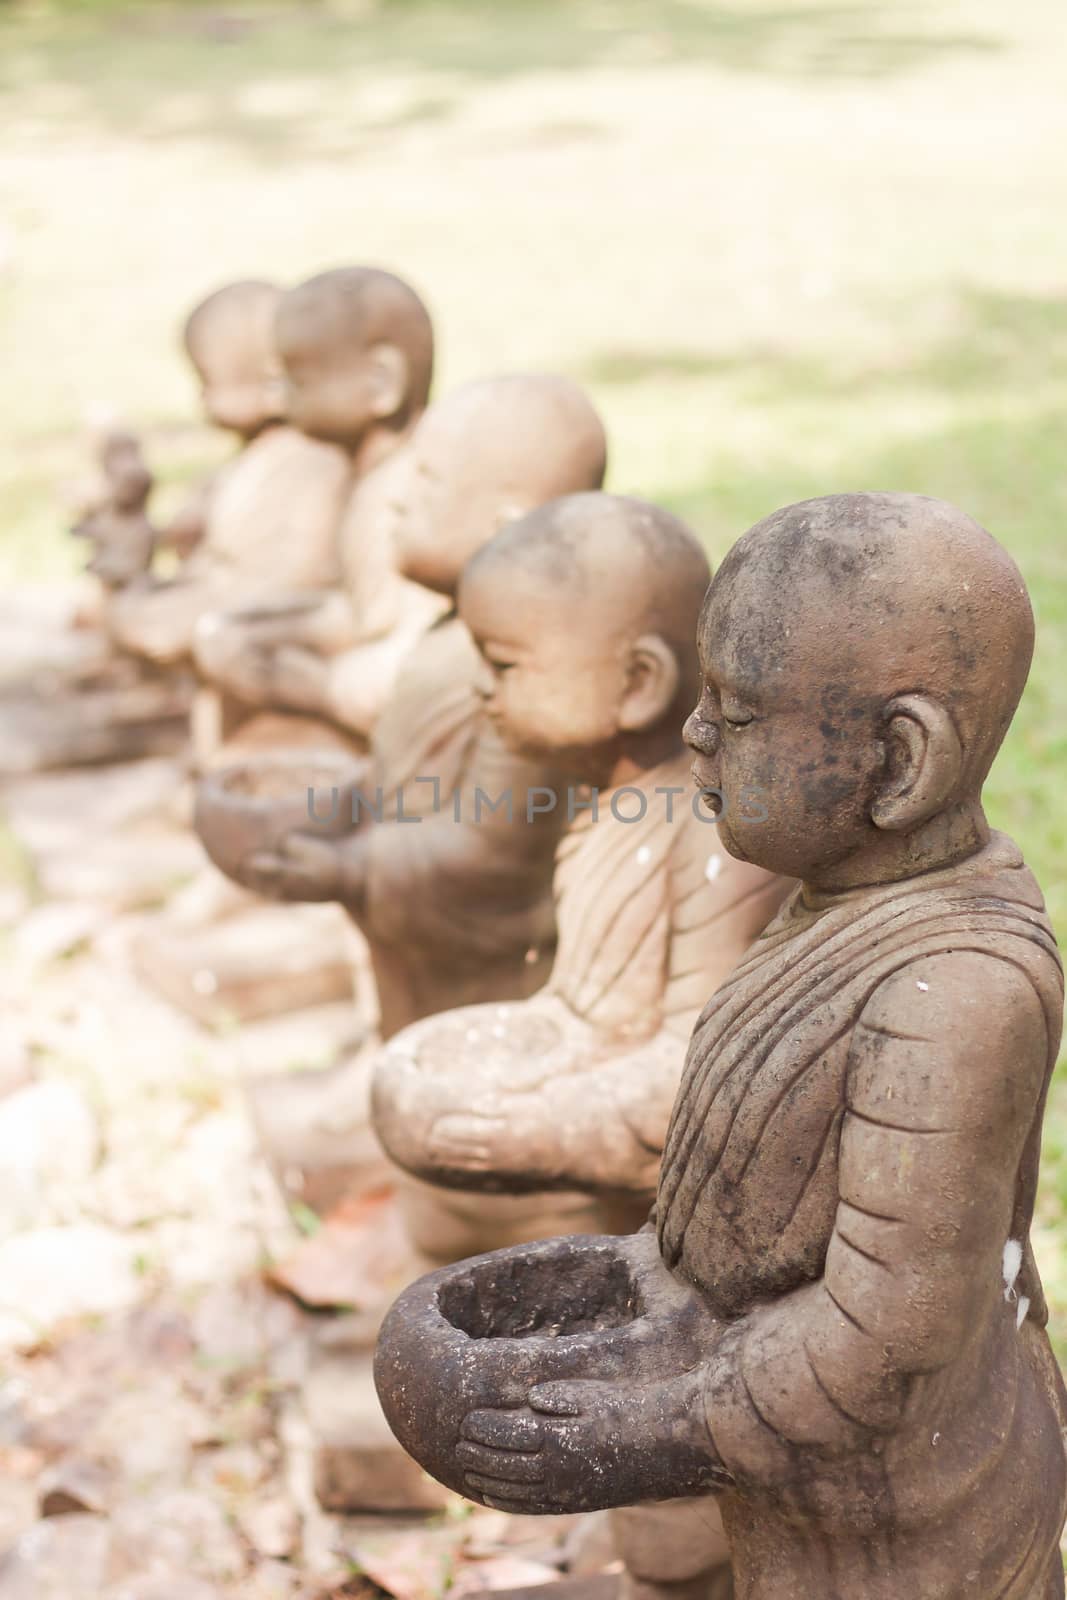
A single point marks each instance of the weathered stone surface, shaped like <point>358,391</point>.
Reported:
<point>836,1329</point>
<point>572,1085</point>
<point>468,467</point>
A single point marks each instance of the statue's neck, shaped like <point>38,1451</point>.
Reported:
<point>941,841</point>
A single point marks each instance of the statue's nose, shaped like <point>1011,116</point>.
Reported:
<point>701,736</point>
<point>484,682</point>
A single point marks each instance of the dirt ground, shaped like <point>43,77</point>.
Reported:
<point>152,1439</point>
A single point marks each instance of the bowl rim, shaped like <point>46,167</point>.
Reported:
<point>447,1276</point>
<point>214,792</point>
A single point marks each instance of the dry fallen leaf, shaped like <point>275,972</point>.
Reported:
<point>417,1565</point>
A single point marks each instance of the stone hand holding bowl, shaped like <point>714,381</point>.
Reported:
<point>247,809</point>
<point>483,1333</point>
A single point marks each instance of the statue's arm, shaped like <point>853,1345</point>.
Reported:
<point>187,527</point>
<point>159,621</point>
<point>475,871</point>
<point>275,652</point>
<point>385,604</point>
<point>592,1114</point>
<point>945,1076</point>
<point>362,675</point>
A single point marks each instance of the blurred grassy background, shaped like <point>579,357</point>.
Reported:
<point>790,247</point>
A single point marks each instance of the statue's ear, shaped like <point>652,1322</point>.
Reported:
<point>389,379</point>
<point>652,680</point>
<point>923,766</point>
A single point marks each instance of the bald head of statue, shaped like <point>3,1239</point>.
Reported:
<point>229,338</point>
<point>585,614</point>
<point>356,348</point>
<point>485,454</point>
<point>862,658</point>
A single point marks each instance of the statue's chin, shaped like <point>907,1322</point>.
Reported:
<point>730,843</point>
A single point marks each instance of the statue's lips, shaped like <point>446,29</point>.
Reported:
<point>703,778</point>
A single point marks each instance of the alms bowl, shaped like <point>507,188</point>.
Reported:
<point>484,1332</point>
<point>250,808</point>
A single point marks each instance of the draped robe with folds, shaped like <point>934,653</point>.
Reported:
<point>457,905</point>
<point>861,1473</point>
<point>651,910</point>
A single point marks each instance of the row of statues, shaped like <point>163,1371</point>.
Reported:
<point>832,1328</point>
<point>713,1113</point>
<point>320,385</point>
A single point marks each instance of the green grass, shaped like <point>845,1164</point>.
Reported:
<point>790,247</point>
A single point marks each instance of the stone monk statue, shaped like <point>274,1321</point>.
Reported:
<point>115,523</point>
<point>835,1325</point>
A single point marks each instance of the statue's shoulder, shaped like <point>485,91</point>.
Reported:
<point>950,991</point>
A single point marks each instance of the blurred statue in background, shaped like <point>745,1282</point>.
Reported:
<point>452,891</point>
<point>114,520</point>
<point>355,348</point>
<point>133,693</point>
<point>268,515</point>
